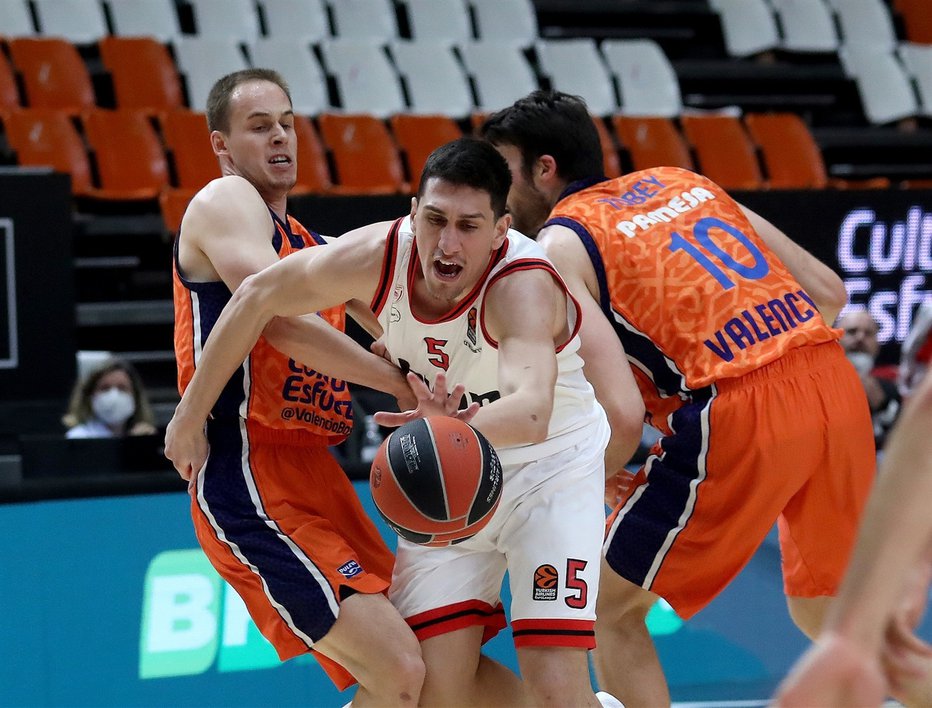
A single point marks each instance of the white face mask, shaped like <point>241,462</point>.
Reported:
<point>113,406</point>
<point>862,362</point>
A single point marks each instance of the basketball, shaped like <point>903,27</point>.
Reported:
<point>436,481</point>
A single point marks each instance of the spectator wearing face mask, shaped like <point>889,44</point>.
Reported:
<point>111,402</point>
<point>861,347</point>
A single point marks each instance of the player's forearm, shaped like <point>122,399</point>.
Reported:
<point>896,529</point>
<point>515,419</point>
<point>229,343</point>
<point>313,342</point>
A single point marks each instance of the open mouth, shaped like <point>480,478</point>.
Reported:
<point>447,270</point>
<point>280,160</point>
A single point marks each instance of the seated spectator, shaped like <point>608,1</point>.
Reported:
<point>861,345</point>
<point>110,402</point>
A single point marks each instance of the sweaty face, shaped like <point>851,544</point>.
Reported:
<point>261,144</point>
<point>528,206</point>
<point>456,233</point>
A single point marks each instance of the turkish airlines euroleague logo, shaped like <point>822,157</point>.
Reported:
<point>546,579</point>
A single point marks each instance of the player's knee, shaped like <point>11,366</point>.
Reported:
<point>621,602</point>
<point>551,688</point>
<point>401,674</point>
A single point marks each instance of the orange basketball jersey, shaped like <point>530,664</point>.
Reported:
<point>692,290</point>
<point>270,388</point>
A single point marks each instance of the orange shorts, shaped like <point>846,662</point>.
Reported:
<point>792,442</point>
<point>280,521</point>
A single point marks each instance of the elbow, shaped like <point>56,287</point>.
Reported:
<point>627,427</point>
<point>832,299</point>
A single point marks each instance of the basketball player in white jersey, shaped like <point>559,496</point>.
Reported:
<point>462,298</point>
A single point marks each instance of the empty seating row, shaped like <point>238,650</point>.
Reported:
<point>88,21</point>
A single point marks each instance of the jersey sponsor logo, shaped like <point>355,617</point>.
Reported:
<point>546,579</point>
<point>350,569</point>
<point>310,387</point>
<point>483,399</point>
<point>761,322</point>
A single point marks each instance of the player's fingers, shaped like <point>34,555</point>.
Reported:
<point>440,387</point>
<point>418,387</point>
<point>393,420</point>
<point>452,402</point>
<point>468,413</point>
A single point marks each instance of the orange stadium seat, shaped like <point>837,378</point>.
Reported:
<point>611,165</point>
<point>364,154</point>
<point>790,153</point>
<point>313,171</point>
<point>9,92</point>
<point>143,72</point>
<point>130,161</point>
<point>419,135</point>
<point>724,151</point>
<point>652,142</point>
<point>54,74</point>
<point>172,204</point>
<point>917,19</point>
<point>187,140</point>
<point>48,137</point>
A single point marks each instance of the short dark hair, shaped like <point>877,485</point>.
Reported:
<point>473,163</point>
<point>218,100</point>
<point>549,123</point>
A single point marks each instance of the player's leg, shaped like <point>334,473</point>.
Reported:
<point>458,674</point>
<point>626,661</point>
<point>808,613</point>
<point>557,676</point>
<point>372,642</point>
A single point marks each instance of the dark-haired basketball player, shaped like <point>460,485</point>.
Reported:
<point>726,323</point>
<point>272,509</point>
<point>463,298</point>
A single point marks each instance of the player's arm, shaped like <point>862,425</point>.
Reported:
<point>822,284</point>
<point>607,366</point>
<point>307,281</point>
<point>527,363</point>
<point>892,543</point>
<point>360,311</point>
<point>226,236</point>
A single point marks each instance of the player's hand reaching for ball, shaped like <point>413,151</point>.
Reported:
<point>430,403</point>
<point>186,447</point>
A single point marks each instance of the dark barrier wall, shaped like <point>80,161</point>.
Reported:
<point>37,313</point>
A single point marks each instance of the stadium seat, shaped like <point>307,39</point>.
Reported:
<point>807,26</point>
<point>444,21</point>
<point>130,161</point>
<point>790,153</point>
<point>78,21</point>
<point>506,21</point>
<point>501,73</point>
<point>748,26</point>
<point>365,157</point>
<point>576,67</point>
<point>302,20</point>
<point>611,165</point>
<point>865,23</point>
<point>652,142</point>
<point>16,20</point>
<point>9,91</point>
<point>172,204</point>
<point>917,58</point>
<point>917,20</point>
<point>53,73</point>
<point>365,79</point>
<point>418,136</point>
<point>884,87</point>
<point>48,137</point>
<point>435,80</point>
<point>313,171</point>
<point>647,83</point>
<point>368,20</point>
<point>188,142</point>
<point>724,151</point>
<point>226,19</point>
<point>295,61</point>
<point>157,19</point>
<point>203,60</point>
<point>143,73</point>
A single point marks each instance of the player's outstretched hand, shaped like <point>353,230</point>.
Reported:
<point>186,447</point>
<point>430,403</point>
<point>833,673</point>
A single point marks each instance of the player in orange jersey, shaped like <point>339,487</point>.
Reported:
<point>272,509</point>
<point>724,320</point>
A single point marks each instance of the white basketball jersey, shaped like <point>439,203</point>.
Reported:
<point>457,343</point>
